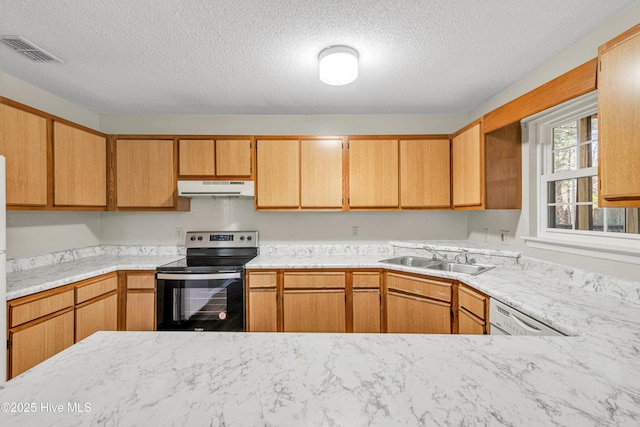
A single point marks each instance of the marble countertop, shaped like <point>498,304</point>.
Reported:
<point>591,378</point>
<point>30,281</point>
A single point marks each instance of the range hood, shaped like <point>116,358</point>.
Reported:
<point>215,188</point>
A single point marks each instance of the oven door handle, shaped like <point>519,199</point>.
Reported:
<point>213,276</point>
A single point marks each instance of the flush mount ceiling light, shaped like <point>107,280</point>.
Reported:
<point>338,65</point>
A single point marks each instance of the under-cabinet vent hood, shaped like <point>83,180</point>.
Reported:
<point>215,188</point>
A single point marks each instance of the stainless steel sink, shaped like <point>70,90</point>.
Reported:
<point>433,264</point>
<point>412,261</point>
<point>472,269</point>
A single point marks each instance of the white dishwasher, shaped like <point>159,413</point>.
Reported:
<point>506,320</point>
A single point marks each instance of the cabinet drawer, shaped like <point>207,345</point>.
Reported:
<point>366,280</point>
<point>314,280</point>
<point>424,287</point>
<point>141,281</point>
<point>263,280</point>
<point>473,301</point>
<point>470,324</point>
<point>95,288</point>
<point>20,313</point>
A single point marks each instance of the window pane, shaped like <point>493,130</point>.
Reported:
<point>598,219</point>
<point>565,135</point>
<point>561,217</point>
<point>615,220</point>
<point>562,191</point>
<point>586,190</point>
<point>632,224</point>
<point>565,159</point>
<point>588,155</point>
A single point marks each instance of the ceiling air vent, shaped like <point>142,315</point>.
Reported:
<point>28,49</point>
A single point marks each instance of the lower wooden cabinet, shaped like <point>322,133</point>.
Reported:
<point>99,315</point>
<point>314,310</point>
<point>473,311</point>
<point>418,305</point>
<point>38,341</point>
<point>366,310</point>
<point>262,307</point>
<point>140,300</point>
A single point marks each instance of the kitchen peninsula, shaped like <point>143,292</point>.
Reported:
<point>157,378</point>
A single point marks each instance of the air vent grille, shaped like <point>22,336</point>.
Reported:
<point>28,49</point>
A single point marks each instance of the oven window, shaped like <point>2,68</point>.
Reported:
<point>204,303</point>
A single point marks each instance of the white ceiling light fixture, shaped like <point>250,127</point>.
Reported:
<point>338,65</point>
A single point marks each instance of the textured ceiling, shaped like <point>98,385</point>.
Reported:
<point>260,56</point>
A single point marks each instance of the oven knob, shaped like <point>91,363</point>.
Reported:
<point>241,237</point>
<point>248,237</point>
<point>199,237</point>
<point>193,238</point>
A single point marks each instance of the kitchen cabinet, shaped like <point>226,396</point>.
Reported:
<point>367,311</point>
<point>145,175</point>
<point>278,173</point>
<point>467,152</point>
<point>96,306</point>
<point>487,168</point>
<point>299,173</point>
<point>140,300</point>
<point>417,305</point>
<point>473,311</point>
<point>314,302</point>
<point>214,158</point>
<point>262,310</point>
<point>321,173</point>
<point>373,173</point>
<point>80,167</point>
<point>40,326</point>
<point>619,120</point>
<point>425,173</point>
<point>23,141</point>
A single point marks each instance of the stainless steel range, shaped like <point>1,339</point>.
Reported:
<point>205,291</point>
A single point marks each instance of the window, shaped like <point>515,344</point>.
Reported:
<point>566,145</point>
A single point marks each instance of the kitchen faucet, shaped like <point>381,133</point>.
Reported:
<point>465,254</point>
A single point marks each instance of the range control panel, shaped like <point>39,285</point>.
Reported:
<point>222,239</point>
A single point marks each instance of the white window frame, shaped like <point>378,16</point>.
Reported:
<point>613,246</point>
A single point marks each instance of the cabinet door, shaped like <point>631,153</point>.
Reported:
<point>425,173</point>
<point>470,324</point>
<point>233,157</point>
<point>366,310</point>
<point>145,175</point>
<point>314,311</point>
<point>141,311</point>
<point>80,167</point>
<point>37,343</point>
<point>619,122</point>
<point>416,315</point>
<point>101,315</point>
<point>263,310</point>
<point>278,173</point>
<point>467,163</point>
<point>23,141</point>
<point>373,173</point>
<point>321,173</point>
<point>196,157</point>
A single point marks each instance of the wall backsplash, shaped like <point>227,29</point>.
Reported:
<point>159,228</point>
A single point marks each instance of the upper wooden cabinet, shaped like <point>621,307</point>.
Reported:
<point>23,141</point>
<point>145,173</point>
<point>297,173</point>
<point>487,168</point>
<point>80,167</point>
<point>373,173</point>
<point>468,162</point>
<point>619,120</point>
<point>214,158</point>
<point>321,173</point>
<point>278,173</point>
<point>425,173</point>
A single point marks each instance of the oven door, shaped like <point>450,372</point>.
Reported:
<point>200,301</point>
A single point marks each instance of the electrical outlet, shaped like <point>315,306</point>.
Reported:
<point>179,233</point>
<point>355,230</point>
<point>505,237</point>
